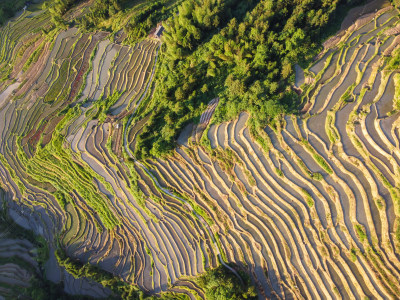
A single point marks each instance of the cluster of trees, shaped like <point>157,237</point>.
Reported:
<point>8,8</point>
<point>100,11</point>
<point>194,22</point>
<point>57,9</point>
<point>146,19</point>
<point>182,87</point>
<point>104,15</point>
<point>221,284</point>
<point>241,51</point>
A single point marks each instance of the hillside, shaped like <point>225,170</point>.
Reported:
<point>278,180</point>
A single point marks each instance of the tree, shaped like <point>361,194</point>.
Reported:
<point>221,284</point>
<point>242,51</point>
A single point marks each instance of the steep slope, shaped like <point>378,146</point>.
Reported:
<point>314,213</point>
<point>309,207</point>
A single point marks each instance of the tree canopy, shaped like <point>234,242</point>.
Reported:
<point>241,51</point>
<point>221,284</point>
<point>8,8</point>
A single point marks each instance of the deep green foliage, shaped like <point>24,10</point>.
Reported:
<point>241,51</point>
<point>103,106</point>
<point>57,9</point>
<point>120,289</point>
<point>318,158</point>
<point>100,11</point>
<point>101,15</point>
<point>60,7</point>
<point>141,23</point>
<point>55,165</point>
<point>317,176</point>
<point>144,15</point>
<point>8,8</point>
<point>221,284</point>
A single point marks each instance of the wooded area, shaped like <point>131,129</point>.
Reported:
<point>221,284</point>
<point>107,15</point>
<point>241,51</point>
<point>8,8</point>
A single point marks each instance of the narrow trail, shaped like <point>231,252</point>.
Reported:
<point>164,190</point>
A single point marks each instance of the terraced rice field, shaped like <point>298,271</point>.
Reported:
<point>315,211</point>
<point>44,152</point>
<point>17,261</point>
<point>310,209</point>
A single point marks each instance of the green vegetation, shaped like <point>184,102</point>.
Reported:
<point>102,11</point>
<point>34,57</point>
<point>137,18</point>
<point>55,165</point>
<point>317,176</point>
<point>380,203</point>
<point>330,128</point>
<point>394,60</point>
<point>40,288</point>
<point>242,51</point>
<point>309,199</point>
<point>48,149</point>
<point>57,9</point>
<point>79,270</point>
<point>103,106</point>
<point>279,172</point>
<point>120,289</point>
<point>146,19</point>
<point>8,8</point>
<point>396,3</point>
<point>318,158</point>
<point>43,289</point>
<point>221,284</point>
<point>360,230</point>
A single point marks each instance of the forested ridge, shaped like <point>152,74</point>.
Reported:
<point>241,51</point>
<point>135,18</point>
<point>8,8</point>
